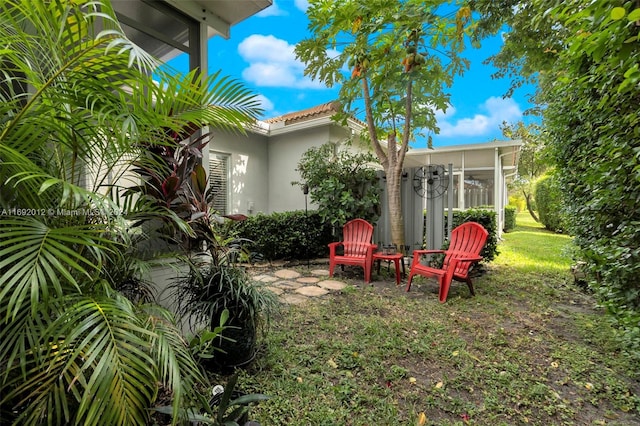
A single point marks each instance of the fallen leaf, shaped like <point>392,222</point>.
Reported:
<point>588,386</point>
<point>422,419</point>
<point>332,363</point>
<point>439,385</point>
<point>299,379</point>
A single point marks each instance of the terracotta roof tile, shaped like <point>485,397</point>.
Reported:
<point>326,109</point>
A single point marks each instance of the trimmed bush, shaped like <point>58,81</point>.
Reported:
<point>549,202</point>
<point>486,218</point>
<point>288,235</point>
<point>294,235</point>
<point>509,218</point>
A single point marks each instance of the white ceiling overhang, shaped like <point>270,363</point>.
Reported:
<point>220,15</point>
<point>481,153</point>
<point>155,26</point>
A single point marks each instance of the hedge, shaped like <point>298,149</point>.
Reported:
<point>486,218</point>
<point>549,201</point>
<point>509,218</point>
<point>300,235</point>
<point>288,235</point>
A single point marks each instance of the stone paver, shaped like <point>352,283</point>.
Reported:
<point>277,290</point>
<point>287,274</point>
<point>265,278</point>
<point>312,291</point>
<point>287,285</point>
<point>294,299</point>
<point>332,284</point>
<point>294,288</point>
<point>308,280</point>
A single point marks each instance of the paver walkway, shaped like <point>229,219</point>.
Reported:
<point>295,287</point>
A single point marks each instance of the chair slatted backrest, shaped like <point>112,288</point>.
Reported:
<point>466,239</point>
<point>356,237</point>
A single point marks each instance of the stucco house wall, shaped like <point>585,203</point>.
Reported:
<point>264,163</point>
<point>248,169</point>
<point>285,152</point>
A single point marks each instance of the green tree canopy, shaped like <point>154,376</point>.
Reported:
<point>343,184</point>
<point>392,60</point>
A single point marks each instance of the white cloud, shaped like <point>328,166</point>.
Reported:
<point>265,104</point>
<point>442,115</point>
<point>272,10</point>
<point>275,10</point>
<point>268,48</point>
<point>302,4</point>
<point>273,63</point>
<point>496,111</point>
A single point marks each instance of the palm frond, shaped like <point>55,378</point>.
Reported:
<point>96,359</point>
<point>216,101</point>
<point>177,368</point>
<point>36,259</point>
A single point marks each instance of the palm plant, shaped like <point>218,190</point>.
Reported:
<point>76,99</point>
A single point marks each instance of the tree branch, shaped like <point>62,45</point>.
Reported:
<point>384,160</point>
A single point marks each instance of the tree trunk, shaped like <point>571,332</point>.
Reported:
<point>392,160</point>
<point>395,209</point>
<point>527,198</point>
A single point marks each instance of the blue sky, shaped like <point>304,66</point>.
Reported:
<point>260,53</point>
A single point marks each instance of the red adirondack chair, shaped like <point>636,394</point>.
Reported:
<point>467,241</point>
<point>358,249</point>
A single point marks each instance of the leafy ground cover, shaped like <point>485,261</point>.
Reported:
<point>530,348</point>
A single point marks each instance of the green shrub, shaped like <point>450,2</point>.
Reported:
<point>518,202</point>
<point>549,201</point>
<point>343,184</point>
<point>509,218</point>
<point>486,218</point>
<point>296,235</point>
<point>288,235</point>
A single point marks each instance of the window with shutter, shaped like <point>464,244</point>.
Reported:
<point>219,181</point>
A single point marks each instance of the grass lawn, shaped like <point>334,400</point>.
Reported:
<point>530,348</point>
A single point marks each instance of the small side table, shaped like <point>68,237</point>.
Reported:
<point>396,258</point>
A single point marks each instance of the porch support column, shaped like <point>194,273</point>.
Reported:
<point>204,70</point>
<point>498,204</point>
